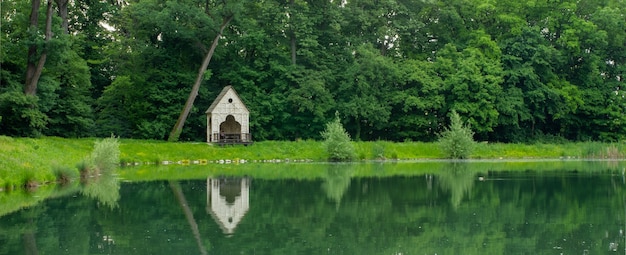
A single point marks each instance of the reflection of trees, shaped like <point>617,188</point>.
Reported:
<point>512,213</point>
<point>337,181</point>
<point>457,178</point>
<point>104,188</point>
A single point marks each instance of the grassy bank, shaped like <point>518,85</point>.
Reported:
<point>156,151</point>
<point>28,159</point>
<point>25,159</point>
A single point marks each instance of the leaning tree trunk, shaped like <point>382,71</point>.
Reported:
<point>34,69</point>
<point>178,127</point>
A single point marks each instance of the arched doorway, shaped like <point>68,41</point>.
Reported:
<point>230,129</point>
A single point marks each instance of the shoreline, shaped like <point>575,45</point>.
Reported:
<point>36,159</point>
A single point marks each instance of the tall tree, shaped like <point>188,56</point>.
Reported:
<point>37,54</point>
<point>363,94</point>
<point>472,80</point>
<point>417,104</point>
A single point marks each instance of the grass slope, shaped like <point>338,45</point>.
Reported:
<point>24,159</point>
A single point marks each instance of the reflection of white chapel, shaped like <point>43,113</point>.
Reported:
<point>228,201</point>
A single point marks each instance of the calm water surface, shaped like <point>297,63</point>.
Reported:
<point>455,209</point>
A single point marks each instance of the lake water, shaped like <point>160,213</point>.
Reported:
<point>374,208</point>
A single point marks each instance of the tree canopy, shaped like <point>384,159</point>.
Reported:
<point>394,69</point>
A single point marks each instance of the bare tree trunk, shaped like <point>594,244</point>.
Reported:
<point>33,70</point>
<point>293,35</point>
<point>32,50</point>
<point>62,4</point>
<point>178,192</point>
<point>178,127</point>
<point>383,49</point>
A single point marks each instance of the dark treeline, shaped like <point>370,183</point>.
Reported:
<point>516,71</point>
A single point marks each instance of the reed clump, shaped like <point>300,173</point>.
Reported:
<point>65,175</point>
<point>597,150</point>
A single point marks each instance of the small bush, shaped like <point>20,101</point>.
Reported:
<point>457,141</point>
<point>337,142</point>
<point>104,158</point>
<point>106,155</point>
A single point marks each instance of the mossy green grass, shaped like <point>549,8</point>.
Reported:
<point>36,160</point>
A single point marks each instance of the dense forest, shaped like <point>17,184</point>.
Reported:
<point>516,71</point>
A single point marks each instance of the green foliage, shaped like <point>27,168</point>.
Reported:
<point>472,80</point>
<point>106,155</point>
<point>71,114</point>
<point>416,107</point>
<point>117,109</point>
<point>337,142</point>
<point>364,91</point>
<point>516,71</point>
<point>457,141</point>
<point>21,115</point>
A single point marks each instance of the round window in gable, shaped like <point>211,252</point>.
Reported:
<point>230,100</point>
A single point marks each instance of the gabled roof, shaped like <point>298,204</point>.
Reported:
<point>219,98</point>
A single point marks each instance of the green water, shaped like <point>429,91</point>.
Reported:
<point>455,208</point>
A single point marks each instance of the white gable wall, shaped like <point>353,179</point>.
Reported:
<point>230,104</point>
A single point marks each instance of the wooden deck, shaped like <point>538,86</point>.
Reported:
<point>232,139</point>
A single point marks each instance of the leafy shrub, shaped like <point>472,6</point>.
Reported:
<point>21,115</point>
<point>104,158</point>
<point>337,142</point>
<point>106,154</point>
<point>457,141</point>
